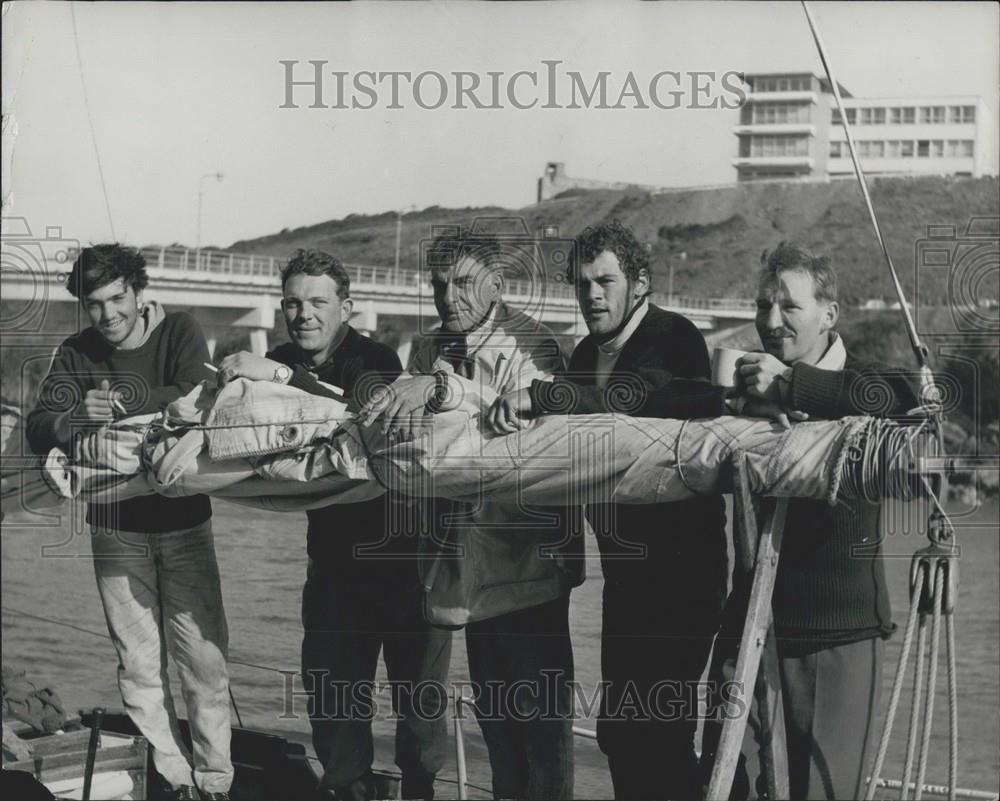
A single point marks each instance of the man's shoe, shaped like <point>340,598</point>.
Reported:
<point>186,792</point>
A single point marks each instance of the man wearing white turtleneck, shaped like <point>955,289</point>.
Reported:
<point>608,352</point>
<point>664,565</point>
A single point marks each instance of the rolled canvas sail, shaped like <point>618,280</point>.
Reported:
<point>275,447</point>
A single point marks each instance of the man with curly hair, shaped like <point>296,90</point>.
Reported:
<point>664,565</point>
<point>154,556</point>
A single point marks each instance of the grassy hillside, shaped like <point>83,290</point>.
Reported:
<point>722,231</point>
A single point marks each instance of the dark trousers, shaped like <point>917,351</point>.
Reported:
<point>346,625</point>
<point>653,653</point>
<point>521,666</point>
<point>830,697</point>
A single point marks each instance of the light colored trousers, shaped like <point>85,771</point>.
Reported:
<point>161,594</point>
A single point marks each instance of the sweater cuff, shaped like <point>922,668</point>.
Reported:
<point>552,397</point>
<point>303,379</point>
<point>710,403</point>
<point>816,391</point>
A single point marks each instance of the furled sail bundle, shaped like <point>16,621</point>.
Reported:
<point>275,447</point>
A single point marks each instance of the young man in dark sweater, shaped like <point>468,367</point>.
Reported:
<point>154,557</point>
<point>830,602</point>
<point>362,593</point>
<point>664,564</point>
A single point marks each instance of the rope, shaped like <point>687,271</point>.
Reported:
<point>880,463</point>
<point>236,709</point>
<point>90,121</point>
<point>918,683</point>
<point>919,349</point>
<point>949,627</point>
<point>931,679</point>
<point>897,688</point>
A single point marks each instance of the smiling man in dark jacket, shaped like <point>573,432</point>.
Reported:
<point>362,592</point>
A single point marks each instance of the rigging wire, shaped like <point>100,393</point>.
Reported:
<point>90,121</point>
<point>929,392</point>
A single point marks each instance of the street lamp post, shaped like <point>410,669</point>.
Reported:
<point>201,193</point>
<point>670,284</point>
<point>399,236</point>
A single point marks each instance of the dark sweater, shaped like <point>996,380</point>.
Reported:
<point>358,365</point>
<point>831,588</point>
<point>169,364</point>
<point>663,369</point>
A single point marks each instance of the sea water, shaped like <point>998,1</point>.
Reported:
<point>48,573</point>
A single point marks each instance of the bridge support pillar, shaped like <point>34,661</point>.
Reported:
<point>405,347</point>
<point>365,318</point>
<point>258,341</point>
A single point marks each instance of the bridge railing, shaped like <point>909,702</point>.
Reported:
<point>216,262</point>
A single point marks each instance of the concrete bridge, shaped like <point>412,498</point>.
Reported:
<point>233,289</point>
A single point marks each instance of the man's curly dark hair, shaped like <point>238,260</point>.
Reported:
<point>449,247</point>
<point>615,237</point>
<point>316,262</point>
<point>100,265</point>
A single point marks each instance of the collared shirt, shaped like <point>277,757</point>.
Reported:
<point>507,352</point>
<point>835,355</point>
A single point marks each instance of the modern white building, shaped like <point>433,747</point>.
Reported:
<point>790,128</point>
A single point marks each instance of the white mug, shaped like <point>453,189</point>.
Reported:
<point>724,366</point>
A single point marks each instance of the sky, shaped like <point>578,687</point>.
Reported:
<point>179,91</point>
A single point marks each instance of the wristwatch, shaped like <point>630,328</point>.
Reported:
<point>282,374</point>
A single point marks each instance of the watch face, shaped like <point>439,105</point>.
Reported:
<point>283,373</point>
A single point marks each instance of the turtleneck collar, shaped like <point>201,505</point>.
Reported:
<point>617,342</point>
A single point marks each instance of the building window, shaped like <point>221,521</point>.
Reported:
<point>836,150</point>
<point>778,146</point>
<point>872,116</point>
<point>923,148</point>
<point>962,114</point>
<point>906,149</point>
<point>876,149</point>
<point>892,148</point>
<point>901,115</point>
<point>937,148</point>
<point>933,115</point>
<point>967,148</point>
<point>779,113</point>
<point>851,116</point>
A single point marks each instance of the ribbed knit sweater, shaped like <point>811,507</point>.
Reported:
<point>170,363</point>
<point>831,587</point>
